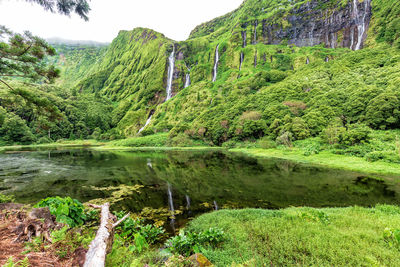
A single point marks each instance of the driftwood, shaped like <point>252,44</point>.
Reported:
<point>102,243</point>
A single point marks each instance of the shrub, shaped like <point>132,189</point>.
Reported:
<point>67,210</point>
<point>44,140</point>
<point>133,230</point>
<point>267,143</point>
<point>6,198</point>
<point>187,243</point>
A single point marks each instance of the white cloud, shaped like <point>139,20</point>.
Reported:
<point>174,18</point>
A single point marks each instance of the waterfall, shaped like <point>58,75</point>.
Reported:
<point>171,203</point>
<point>244,37</point>
<point>215,205</point>
<point>241,60</point>
<point>255,32</point>
<point>361,25</point>
<point>187,202</point>
<point>187,79</point>
<point>147,123</point>
<point>216,61</point>
<point>255,60</point>
<point>170,74</point>
<point>327,59</point>
<point>308,61</point>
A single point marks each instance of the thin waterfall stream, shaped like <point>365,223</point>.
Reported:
<point>216,61</point>
<point>171,68</point>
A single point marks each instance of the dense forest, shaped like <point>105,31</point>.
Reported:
<point>279,71</point>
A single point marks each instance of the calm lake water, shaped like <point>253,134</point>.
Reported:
<point>185,184</point>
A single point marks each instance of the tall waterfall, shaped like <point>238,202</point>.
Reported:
<point>241,60</point>
<point>147,123</point>
<point>216,61</point>
<point>361,24</point>
<point>170,74</point>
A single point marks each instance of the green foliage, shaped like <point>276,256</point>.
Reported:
<point>22,263</point>
<point>392,237</point>
<point>187,243</point>
<point>66,240</point>
<point>6,198</point>
<point>304,236</point>
<point>158,140</point>
<point>136,230</point>
<point>67,210</point>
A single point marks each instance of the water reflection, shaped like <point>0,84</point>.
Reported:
<point>161,183</point>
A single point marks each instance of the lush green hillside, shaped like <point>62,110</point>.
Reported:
<point>287,70</point>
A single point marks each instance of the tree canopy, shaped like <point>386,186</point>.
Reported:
<point>22,56</point>
<point>65,7</point>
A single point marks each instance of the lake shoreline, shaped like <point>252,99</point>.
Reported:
<point>323,159</point>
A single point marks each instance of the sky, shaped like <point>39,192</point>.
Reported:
<point>174,18</point>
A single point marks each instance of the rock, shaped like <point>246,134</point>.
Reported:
<point>199,260</point>
<point>43,214</point>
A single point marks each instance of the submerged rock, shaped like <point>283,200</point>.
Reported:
<point>199,260</point>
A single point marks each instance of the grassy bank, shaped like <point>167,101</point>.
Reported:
<point>60,144</point>
<point>303,236</point>
<point>325,158</point>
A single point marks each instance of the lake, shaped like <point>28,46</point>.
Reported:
<point>175,186</point>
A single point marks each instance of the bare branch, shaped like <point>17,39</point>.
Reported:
<point>6,84</point>
<point>120,221</point>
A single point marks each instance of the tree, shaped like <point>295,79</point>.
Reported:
<point>65,7</point>
<point>22,56</point>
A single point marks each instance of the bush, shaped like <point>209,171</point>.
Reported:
<point>388,156</point>
<point>67,210</point>
<point>191,242</point>
<point>132,229</point>
<point>267,143</point>
<point>44,140</point>
<point>6,198</point>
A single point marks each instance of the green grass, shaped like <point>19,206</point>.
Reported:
<point>325,158</point>
<point>61,144</point>
<point>304,236</point>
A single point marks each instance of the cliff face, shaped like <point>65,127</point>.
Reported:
<point>259,44</point>
<point>310,24</point>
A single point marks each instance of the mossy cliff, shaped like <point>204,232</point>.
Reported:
<point>284,66</point>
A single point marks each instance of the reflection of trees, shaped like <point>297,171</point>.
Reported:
<point>232,180</point>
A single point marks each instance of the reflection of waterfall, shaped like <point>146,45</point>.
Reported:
<point>187,202</point>
<point>149,164</point>
<point>215,205</point>
<point>171,68</point>
<point>171,203</point>
<point>147,123</point>
<point>241,60</point>
<point>216,61</point>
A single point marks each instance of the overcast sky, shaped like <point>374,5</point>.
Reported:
<point>174,18</point>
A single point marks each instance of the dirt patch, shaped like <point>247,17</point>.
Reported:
<point>16,228</point>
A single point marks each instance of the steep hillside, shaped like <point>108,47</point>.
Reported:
<point>268,68</point>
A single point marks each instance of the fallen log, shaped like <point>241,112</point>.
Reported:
<point>102,243</point>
